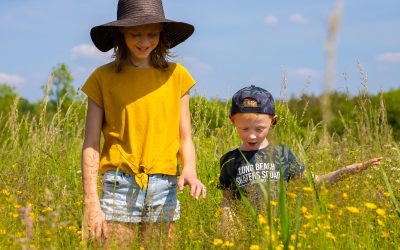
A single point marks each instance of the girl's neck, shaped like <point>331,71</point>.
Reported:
<point>139,63</point>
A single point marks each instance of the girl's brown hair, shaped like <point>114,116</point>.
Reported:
<point>158,57</point>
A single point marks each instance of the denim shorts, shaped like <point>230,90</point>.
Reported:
<point>123,200</point>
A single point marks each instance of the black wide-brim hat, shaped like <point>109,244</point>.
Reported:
<point>139,12</point>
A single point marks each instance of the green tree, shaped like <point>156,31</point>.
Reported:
<point>392,105</point>
<point>62,91</point>
<point>7,97</point>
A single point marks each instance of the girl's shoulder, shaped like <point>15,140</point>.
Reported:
<point>105,68</point>
<point>177,67</point>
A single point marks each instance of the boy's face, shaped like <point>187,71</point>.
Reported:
<point>253,129</point>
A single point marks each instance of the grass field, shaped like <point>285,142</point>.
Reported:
<point>41,188</point>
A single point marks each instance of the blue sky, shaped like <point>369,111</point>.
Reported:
<point>236,43</point>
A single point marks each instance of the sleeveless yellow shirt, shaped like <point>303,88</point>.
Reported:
<point>141,121</point>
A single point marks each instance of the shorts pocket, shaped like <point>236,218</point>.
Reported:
<point>172,181</point>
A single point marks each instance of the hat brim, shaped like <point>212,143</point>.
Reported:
<point>103,36</point>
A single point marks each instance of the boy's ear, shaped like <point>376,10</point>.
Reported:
<point>274,119</point>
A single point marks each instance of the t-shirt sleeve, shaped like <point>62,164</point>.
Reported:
<point>92,89</point>
<point>186,79</point>
<point>295,167</point>
<point>225,177</point>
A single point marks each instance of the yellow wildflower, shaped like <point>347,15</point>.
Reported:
<point>308,216</point>
<point>2,231</point>
<point>254,247</point>
<point>274,203</point>
<point>218,242</point>
<point>387,194</point>
<point>345,196</point>
<point>302,234</point>
<point>332,206</point>
<point>380,212</point>
<point>329,235</point>
<point>307,189</point>
<point>228,244</point>
<point>5,192</point>
<point>385,235</point>
<point>326,227</point>
<point>47,209</point>
<point>380,223</point>
<point>262,220</point>
<point>303,209</point>
<point>292,195</point>
<point>72,229</point>
<point>315,230</point>
<point>370,205</point>
<point>353,210</point>
<point>324,190</point>
<point>141,248</point>
<point>19,234</point>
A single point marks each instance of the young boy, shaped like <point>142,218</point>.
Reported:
<point>256,160</point>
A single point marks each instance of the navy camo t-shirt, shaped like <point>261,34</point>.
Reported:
<point>247,169</point>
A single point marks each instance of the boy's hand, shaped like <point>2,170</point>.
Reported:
<point>196,187</point>
<point>366,164</point>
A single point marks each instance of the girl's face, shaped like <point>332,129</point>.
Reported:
<point>253,129</point>
<point>141,41</point>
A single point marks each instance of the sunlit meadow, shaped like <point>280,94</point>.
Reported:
<point>41,188</point>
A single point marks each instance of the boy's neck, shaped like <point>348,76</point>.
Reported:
<point>263,145</point>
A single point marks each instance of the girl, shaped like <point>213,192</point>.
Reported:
<point>140,102</point>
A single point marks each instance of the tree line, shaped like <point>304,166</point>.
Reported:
<point>306,108</point>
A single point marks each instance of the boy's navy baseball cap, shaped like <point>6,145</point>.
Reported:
<point>265,101</point>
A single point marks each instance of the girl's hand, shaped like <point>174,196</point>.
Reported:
<point>94,223</point>
<point>196,187</point>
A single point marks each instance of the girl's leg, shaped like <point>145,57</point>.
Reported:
<point>157,235</point>
<point>122,236</point>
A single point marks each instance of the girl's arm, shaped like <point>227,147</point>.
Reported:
<point>339,174</point>
<point>94,219</point>
<point>187,153</point>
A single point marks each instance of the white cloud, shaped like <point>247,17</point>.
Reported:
<point>11,79</point>
<point>88,51</point>
<point>270,20</point>
<point>81,71</point>
<point>305,73</point>
<point>197,65</point>
<point>388,57</point>
<point>298,18</point>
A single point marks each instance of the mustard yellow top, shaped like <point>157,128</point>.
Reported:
<point>141,121</point>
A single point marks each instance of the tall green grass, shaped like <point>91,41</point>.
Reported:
<point>41,188</point>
